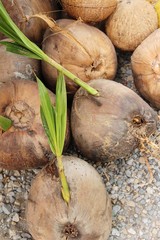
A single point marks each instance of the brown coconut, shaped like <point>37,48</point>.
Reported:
<point>82,49</point>
<point>89,11</point>
<point>20,11</point>
<point>131,23</point>
<point>13,66</point>
<point>145,63</point>
<point>25,144</point>
<point>88,216</point>
<point>112,125</point>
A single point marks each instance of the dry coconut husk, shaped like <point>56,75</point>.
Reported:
<point>131,23</point>
<point>82,49</point>
<point>112,125</point>
<point>25,144</point>
<point>20,11</point>
<point>89,11</point>
<point>14,66</point>
<point>145,63</point>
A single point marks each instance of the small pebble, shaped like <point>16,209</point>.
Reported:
<point>15,218</point>
<point>6,209</point>
<point>132,231</point>
<point>115,232</point>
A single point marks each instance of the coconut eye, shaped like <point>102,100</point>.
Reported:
<point>138,121</point>
<point>70,231</point>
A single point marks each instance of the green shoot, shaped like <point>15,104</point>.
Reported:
<point>23,46</point>
<point>5,123</point>
<point>54,119</point>
<point>157,8</point>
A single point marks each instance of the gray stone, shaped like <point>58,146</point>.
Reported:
<point>1,198</point>
<point>115,232</point>
<point>6,209</point>
<point>131,231</point>
<point>15,218</point>
<point>149,190</point>
<point>116,209</point>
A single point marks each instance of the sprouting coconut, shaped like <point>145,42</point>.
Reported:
<point>67,199</point>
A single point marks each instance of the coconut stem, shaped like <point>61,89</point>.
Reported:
<point>65,187</point>
<point>70,75</point>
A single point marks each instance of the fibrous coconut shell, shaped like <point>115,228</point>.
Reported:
<point>89,11</point>
<point>88,216</point>
<point>24,145</point>
<point>145,63</point>
<point>82,49</point>
<point>110,126</point>
<point>131,23</point>
<point>14,66</point>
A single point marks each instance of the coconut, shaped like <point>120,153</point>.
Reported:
<point>131,23</point>
<point>82,49</point>
<point>87,216</point>
<point>112,125</point>
<point>21,11</point>
<point>89,11</point>
<point>25,144</point>
<point>145,63</point>
<point>13,66</point>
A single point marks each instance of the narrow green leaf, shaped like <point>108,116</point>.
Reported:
<point>61,110</point>
<point>54,122</point>
<point>46,128</point>
<point>18,49</point>
<point>4,28</point>
<point>48,112</point>
<point>54,118</point>
<point>5,123</point>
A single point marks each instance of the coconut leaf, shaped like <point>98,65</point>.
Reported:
<point>17,49</point>
<point>46,128</point>
<point>47,115</point>
<point>61,112</point>
<point>54,120</point>
<point>5,123</point>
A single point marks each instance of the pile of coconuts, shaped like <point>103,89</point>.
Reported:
<point>103,128</point>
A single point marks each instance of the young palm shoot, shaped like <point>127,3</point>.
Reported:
<point>23,46</point>
<point>54,119</point>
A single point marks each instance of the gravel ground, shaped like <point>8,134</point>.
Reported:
<point>136,200</point>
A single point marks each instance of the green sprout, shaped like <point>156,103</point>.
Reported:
<point>23,46</point>
<point>54,119</point>
<point>5,123</point>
